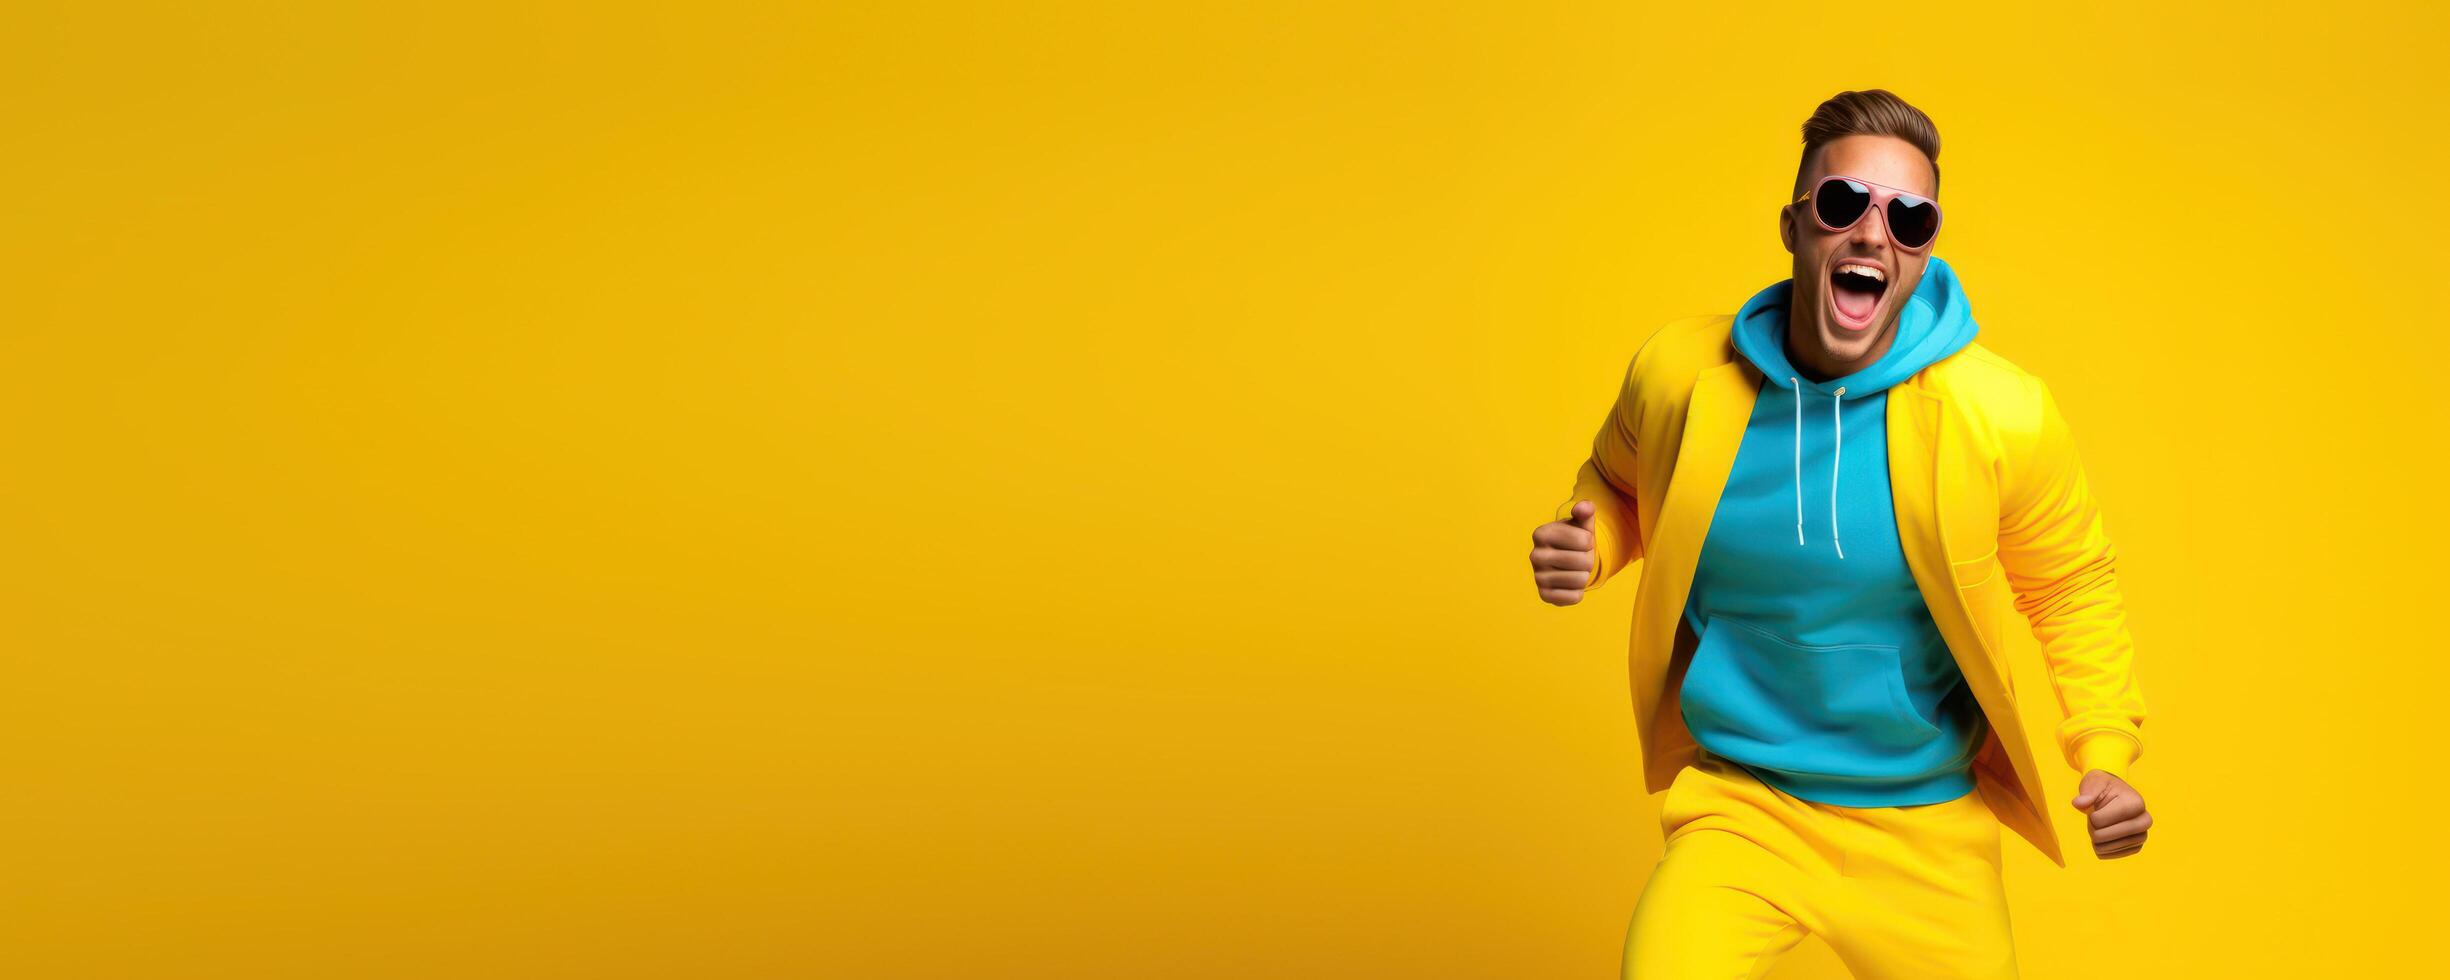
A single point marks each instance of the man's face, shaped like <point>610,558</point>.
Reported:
<point>1852,326</point>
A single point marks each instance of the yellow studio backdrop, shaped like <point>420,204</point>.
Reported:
<point>740,491</point>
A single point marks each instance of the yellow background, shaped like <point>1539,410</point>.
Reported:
<point>704,491</point>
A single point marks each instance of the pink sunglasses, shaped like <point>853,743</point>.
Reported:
<point>1838,202</point>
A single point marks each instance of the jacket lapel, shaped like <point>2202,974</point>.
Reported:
<point>1915,420</point>
<point>1714,422</point>
<point>1928,459</point>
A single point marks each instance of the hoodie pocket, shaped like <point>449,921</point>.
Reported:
<point>1748,682</point>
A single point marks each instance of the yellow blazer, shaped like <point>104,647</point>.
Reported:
<point>1986,481</point>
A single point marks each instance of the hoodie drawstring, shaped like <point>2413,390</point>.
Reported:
<point>1798,459</point>
<point>1838,423</point>
<point>1837,420</point>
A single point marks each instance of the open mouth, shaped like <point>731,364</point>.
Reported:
<point>1855,289</point>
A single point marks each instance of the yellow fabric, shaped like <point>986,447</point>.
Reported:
<point>1897,892</point>
<point>1990,497</point>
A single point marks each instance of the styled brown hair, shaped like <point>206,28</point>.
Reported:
<point>1870,112</point>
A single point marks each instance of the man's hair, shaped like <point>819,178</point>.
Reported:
<point>1870,112</point>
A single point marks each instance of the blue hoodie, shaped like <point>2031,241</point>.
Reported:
<point>1819,668</point>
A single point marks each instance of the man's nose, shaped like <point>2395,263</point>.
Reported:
<point>1873,230</point>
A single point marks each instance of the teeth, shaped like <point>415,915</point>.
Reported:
<point>1869,270</point>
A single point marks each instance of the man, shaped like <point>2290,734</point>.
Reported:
<point>1831,490</point>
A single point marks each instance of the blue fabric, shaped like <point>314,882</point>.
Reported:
<point>1819,667</point>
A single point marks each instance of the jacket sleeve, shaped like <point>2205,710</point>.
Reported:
<point>1607,481</point>
<point>2058,559</point>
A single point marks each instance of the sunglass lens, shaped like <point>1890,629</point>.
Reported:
<point>1839,201</point>
<point>1913,221</point>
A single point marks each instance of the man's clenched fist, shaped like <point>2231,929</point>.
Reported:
<point>1561,556</point>
<point>2114,813</point>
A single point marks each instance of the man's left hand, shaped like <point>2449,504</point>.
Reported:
<point>2115,812</point>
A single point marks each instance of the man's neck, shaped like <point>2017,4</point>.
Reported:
<point>1815,363</point>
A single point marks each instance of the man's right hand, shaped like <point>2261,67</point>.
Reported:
<point>1562,556</point>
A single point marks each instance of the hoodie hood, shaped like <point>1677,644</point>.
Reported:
<point>1937,321</point>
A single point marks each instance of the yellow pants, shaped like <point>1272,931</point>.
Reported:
<point>1898,892</point>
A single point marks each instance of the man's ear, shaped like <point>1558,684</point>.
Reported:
<point>1786,228</point>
